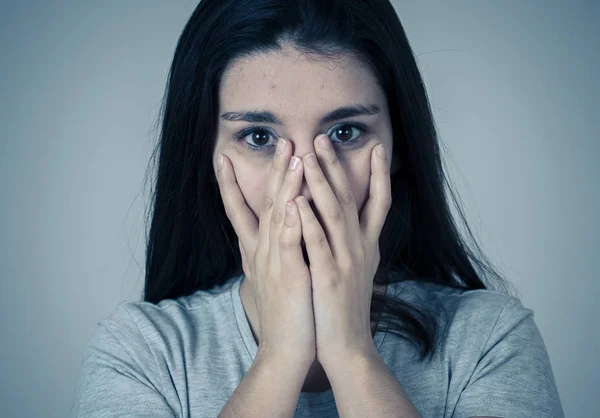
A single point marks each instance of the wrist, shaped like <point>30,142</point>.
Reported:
<point>278,359</point>
<point>331,359</point>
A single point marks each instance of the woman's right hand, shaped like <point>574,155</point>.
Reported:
<point>272,257</point>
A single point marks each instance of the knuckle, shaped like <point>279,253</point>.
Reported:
<point>259,256</point>
<point>290,222</point>
<point>266,203</point>
<point>334,160</point>
<point>335,213</point>
<point>346,198</point>
<point>320,240</point>
<point>277,216</point>
<point>333,281</point>
<point>360,254</point>
<point>286,241</point>
<point>321,180</point>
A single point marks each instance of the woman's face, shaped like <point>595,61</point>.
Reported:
<point>298,93</point>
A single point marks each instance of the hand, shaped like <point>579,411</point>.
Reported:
<point>345,256</point>
<point>272,258</point>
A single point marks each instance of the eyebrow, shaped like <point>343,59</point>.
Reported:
<point>268,117</point>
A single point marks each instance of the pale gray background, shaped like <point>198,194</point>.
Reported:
<point>515,89</point>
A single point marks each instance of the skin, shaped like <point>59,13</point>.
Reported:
<point>299,92</point>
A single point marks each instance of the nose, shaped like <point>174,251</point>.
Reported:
<point>300,148</point>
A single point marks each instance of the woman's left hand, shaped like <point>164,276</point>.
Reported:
<point>345,256</point>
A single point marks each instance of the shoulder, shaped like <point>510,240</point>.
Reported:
<point>130,361</point>
<point>140,325</point>
<point>473,317</point>
<point>493,349</point>
<point>459,300</point>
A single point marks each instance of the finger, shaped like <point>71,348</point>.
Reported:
<point>317,246</point>
<point>289,190</point>
<point>241,216</point>
<point>378,205</point>
<point>332,213</point>
<point>277,173</point>
<point>290,251</point>
<point>337,179</point>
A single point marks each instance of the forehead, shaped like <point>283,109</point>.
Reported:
<point>288,79</point>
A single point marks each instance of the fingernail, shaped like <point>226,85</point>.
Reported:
<point>220,161</point>
<point>324,142</point>
<point>381,150</point>
<point>311,160</point>
<point>294,161</point>
<point>301,201</point>
<point>280,146</point>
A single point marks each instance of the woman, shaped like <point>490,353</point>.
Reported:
<point>302,258</point>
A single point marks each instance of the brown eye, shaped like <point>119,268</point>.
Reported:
<point>259,137</point>
<point>344,133</point>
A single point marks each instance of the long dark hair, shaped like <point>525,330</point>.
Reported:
<point>191,244</point>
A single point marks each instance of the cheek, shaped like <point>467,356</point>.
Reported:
<point>251,179</point>
<point>253,185</point>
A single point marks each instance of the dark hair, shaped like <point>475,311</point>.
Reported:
<point>191,244</point>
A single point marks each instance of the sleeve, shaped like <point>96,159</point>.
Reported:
<point>119,376</point>
<point>513,377</point>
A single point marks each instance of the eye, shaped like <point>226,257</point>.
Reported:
<point>344,133</point>
<point>257,138</point>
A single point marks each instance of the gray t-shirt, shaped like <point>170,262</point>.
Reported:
<point>185,357</point>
